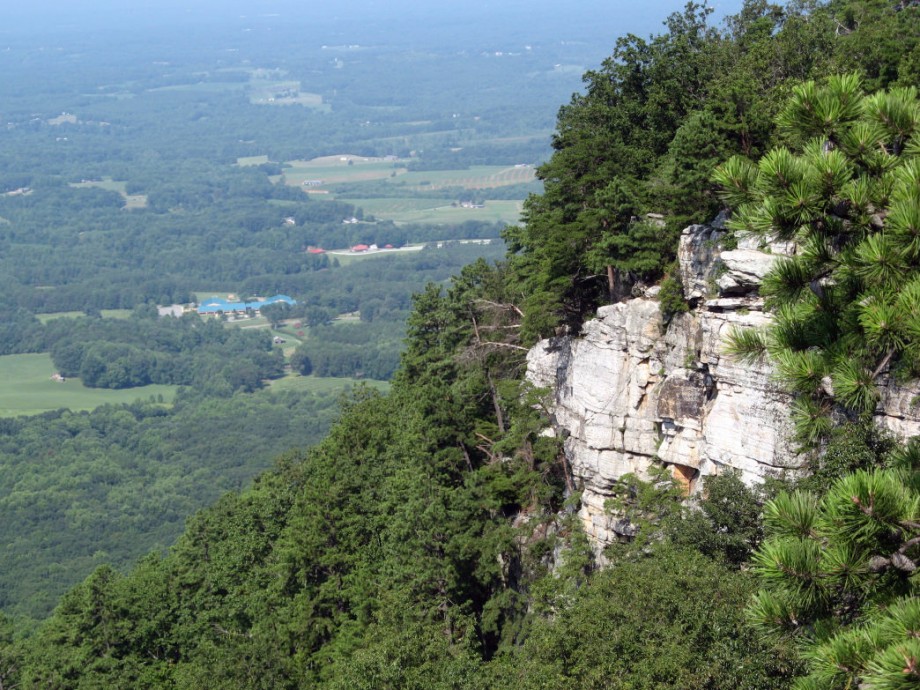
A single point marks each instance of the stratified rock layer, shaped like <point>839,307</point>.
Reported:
<point>631,391</point>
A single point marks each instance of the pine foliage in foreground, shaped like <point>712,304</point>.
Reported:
<point>847,304</point>
<point>839,576</point>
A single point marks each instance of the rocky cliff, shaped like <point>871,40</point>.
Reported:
<point>631,390</point>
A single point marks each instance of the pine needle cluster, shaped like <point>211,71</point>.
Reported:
<point>838,574</point>
<point>846,190</point>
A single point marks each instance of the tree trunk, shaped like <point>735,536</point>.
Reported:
<point>496,403</point>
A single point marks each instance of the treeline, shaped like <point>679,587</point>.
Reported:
<point>654,121</point>
<point>60,254</point>
<point>145,349</point>
<point>379,287</point>
<point>67,249</point>
<point>383,233</point>
<point>383,190</point>
<point>460,158</point>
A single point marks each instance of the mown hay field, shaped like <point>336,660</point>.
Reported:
<point>26,388</point>
<point>439,211</point>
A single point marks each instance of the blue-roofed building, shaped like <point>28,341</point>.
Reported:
<point>218,305</point>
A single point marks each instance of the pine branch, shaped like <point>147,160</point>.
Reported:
<point>884,363</point>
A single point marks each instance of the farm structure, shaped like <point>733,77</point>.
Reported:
<point>219,305</point>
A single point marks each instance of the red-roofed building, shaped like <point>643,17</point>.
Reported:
<point>316,250</point>
<point>360,248</point>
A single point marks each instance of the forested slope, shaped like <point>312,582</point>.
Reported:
<point>109,486</point>
<point>428,541</point>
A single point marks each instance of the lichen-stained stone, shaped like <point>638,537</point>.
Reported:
<point>683,395</point>
<point>744,270</point>
<point>696,253</point>
<point>631,392</point>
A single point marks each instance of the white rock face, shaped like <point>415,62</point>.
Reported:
<point>698,249</point>
<point>630,392</point>
<point>745,269</point>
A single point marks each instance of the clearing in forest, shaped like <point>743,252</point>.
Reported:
<point>106,314</point>
<point>316,384</point>
<point>474,177</point>
<point>26,388</point>
<point>321,173</point>
<point>131,200</point>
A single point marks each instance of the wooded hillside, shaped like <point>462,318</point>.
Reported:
<point>430,542</point>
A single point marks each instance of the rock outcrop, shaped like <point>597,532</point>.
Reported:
<point>631,391</point>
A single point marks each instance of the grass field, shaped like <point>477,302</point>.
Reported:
<point>265,87</point>
<point>205,294</point>
<point>203,86</point>
<point>314,384</point>
<point>330,170</point>
<point>336,169</point>
<point>270,92</point>
<point>439,211</point>
<point>26,388</point>
<point>131,200</point>
<point>476,177</point>
<point>251,160</point>
<point>106,314</point>
<point>345,257</point>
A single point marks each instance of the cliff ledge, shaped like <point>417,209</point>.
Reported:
<point>631,391</point>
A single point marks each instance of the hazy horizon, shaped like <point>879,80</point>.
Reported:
<point>594,17</point>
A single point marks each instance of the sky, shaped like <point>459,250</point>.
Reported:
<point>620,16</point>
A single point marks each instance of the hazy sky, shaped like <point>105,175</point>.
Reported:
<point>619,15</point>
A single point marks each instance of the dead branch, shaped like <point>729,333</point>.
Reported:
<point>494,344</point>
<point>466,454</point>
<point>499,305</point>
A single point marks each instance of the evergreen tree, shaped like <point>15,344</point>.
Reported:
<point>839,575</point>
<point>580,233</point>
<point>847,192</point>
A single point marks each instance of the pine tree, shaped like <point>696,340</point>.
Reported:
<point>846,190</point>
<point>580,234</point>
<point>839,574</point>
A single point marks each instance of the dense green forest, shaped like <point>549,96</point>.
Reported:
<point>430,540</point>
<point>109,486</point>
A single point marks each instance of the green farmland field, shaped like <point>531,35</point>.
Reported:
<point>439,211</point>
<point>26,388</point>
<point>330,170</point>
<point>120,186</point>
<point>476,177</point>
<point>251,160</point>
<point>336,169</point>
<point>315,384</point>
